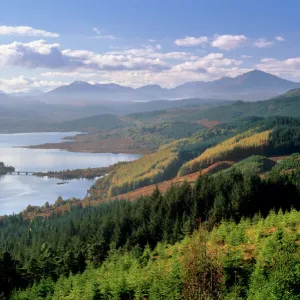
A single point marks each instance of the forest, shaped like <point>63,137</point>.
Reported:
<point>231,223</point>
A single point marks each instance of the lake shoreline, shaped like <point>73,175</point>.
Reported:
<point>87,173</point>
<point>18,191</point>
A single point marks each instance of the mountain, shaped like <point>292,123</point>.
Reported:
<point>253,85</point>
<point>77,87</point>
<point>253,81</point>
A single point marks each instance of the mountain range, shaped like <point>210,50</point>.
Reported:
<point>253,85</point>
<point>250,86</point>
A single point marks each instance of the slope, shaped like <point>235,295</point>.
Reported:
<point>275,136</point>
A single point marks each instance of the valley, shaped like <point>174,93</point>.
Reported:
<point>122,194</point>
<point>149,150</point>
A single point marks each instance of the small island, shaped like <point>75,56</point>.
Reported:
<point>88,173</point>
<point>5,169</point>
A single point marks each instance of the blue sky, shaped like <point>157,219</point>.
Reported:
<point>44,44</point>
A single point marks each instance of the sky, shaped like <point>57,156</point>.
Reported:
<point>45,44</point>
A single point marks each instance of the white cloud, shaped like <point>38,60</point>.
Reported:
<point>228,42</point>
<point>68,74</point>
<point>101,36</point>
<point>26,31</point>
<point>208,67</point>
<point>286,68</point>
<point>267,60</point>
<point>97,31</point>
<point>151,41</point>
<point>158,47</point>
<point>280,38</point>
<point>262,43</point>
<point>212,60</point>
<point>191,41</point>
<point>40,54</point>
<point>25,84</point>
<point>246,56</point>
<point>151,52</point>
<point>174,56</point>
<point>31,55</point>
<point>170,78</point>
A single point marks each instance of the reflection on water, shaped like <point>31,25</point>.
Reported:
<point>17,191</point>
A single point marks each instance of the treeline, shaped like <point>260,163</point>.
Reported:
<point>5,169</point>
<point>77,173</point>
<point>47,248</point>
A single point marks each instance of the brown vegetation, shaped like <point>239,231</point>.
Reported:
<point>92,144</point>
<point>163,186</point>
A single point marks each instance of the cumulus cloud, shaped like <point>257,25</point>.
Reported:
<point>151,52</point>
<point>40,54</point>
<point>174,56</point>
<point>25,84</point>
<point>246,56</point>
<point>68,74</point>
<point>262,43</point>
<point>212,60</point>
<point>32,55</point>
<point>189,41</point>
<point>280,38</point>
<point>26,31</point>
<point>228,42</point>
<point>287,68</point>
<point>133,67</point>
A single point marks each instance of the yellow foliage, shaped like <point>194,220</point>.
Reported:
<point>149,169</point>
<point>173,145</point>
<point>233,149</point>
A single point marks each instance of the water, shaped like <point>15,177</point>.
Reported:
<point>17,191</point>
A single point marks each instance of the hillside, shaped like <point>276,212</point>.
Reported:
<point>120,240</point>
<point>276,136</point>
<point>163,164</point>
<point>20,115</point>
<point>254,259</point>
<point>285,105</point>
<point>225,142</point>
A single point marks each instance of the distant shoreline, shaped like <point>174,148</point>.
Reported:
<point>90,144</point>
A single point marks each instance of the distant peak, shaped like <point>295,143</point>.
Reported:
<point>150,86</point>
<point>256,71</point>
<point>79,83</point>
